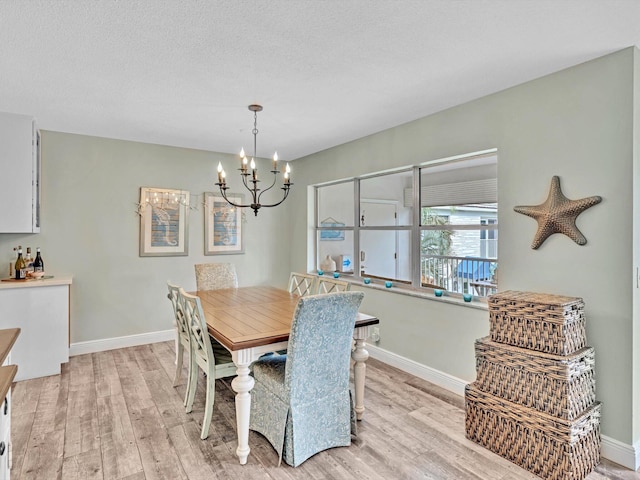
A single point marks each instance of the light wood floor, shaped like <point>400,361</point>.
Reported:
<point>115,415</point>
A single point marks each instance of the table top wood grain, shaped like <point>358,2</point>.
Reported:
<point>248,317</point>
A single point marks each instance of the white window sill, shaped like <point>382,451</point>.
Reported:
<point>425,293</point>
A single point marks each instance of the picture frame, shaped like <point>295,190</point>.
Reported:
<point>164,219</point>
<point>223,232</point>
<point>331,235</point>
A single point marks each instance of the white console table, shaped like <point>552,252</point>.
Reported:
<point>41,309</point>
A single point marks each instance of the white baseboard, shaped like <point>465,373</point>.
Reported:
<point>93,346</point>
<point>626,455</point>
<point>620,453</point>
<point>444,380</point>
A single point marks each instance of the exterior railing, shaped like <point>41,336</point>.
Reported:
<point>459,274</point>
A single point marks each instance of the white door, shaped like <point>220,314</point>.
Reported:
<point>378,248</point>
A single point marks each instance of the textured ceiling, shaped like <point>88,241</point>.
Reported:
<point>327,71</point>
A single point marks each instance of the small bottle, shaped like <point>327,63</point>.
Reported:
<point>12,262</point>
<point>28,260</point>
<point>38,263</point>
<point>21,270</point>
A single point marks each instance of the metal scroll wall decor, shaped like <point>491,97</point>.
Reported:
<point>558,215</point>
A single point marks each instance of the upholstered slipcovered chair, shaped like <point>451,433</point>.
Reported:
<point>331,285</point>
<point>183,339</point>
<point>214,276</point>
<point>301,401</point>
<point>302,283</point>
<point>216,365</point>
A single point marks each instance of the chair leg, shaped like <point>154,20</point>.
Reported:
<point>192,383</point>
<point>208,406</point>
<point>179,355</point>
<point>177,339</point>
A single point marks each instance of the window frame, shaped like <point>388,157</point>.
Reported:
<point>415,228</point>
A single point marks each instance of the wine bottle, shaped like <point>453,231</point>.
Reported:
<point>28,260</point>
<point>21,270</point>
<point>12,262</point>
<point>38,263</point>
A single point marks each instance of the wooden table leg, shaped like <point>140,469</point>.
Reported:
<point>360,356</point>
<point>242,385</point>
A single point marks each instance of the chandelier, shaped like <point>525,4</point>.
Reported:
<point>252,177</point>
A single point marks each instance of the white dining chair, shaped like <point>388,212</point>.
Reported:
<point>302,283</point>
<point>183,339</point>
<point>331,285</point>
<point>215,365</point>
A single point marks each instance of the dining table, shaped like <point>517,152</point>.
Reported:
<point>253,321</point>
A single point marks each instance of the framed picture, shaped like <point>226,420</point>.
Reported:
<point>164,216</point>
<point>331,235</point>
<point>222,225</point>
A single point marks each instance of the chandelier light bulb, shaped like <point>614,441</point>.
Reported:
<point>242,155</point>
<point>253,164</point>
<point>287,169</point>
<point>219,167</point>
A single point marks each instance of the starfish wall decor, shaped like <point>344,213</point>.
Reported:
<point>557,215</point>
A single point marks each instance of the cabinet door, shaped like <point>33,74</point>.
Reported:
<point>19,160</point>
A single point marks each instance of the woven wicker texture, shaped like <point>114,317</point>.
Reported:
<point>557,215</point>
<point>542,322</point>
<point>561,386</point>
<point>546,446</point>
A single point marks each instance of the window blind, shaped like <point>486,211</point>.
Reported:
<point>460,193</point>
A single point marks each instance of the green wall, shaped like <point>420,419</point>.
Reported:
<point>577,124</point>
<point>90,229</point>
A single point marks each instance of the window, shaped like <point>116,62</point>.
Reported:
<point>450,243</point>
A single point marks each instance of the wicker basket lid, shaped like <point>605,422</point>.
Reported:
<point>535,298</point>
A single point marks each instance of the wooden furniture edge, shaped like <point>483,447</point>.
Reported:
<point>7,374</point>
<point>367,321</point>
<point>8,337</point>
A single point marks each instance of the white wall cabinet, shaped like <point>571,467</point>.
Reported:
<point>20,173</point>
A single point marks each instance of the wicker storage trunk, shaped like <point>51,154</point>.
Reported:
<point>561,386</point>
<point>549,447</point>
<point>542,322</point>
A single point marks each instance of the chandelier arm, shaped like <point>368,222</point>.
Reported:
<point>286,194</point>
<point>275,177</point>
<point>252,191</point>
<point>224,195</point>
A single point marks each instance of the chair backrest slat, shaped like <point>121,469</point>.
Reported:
<point>331,285</point>
<point>301,284</point>
<point>197,325</point>
<point>178,311</point>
